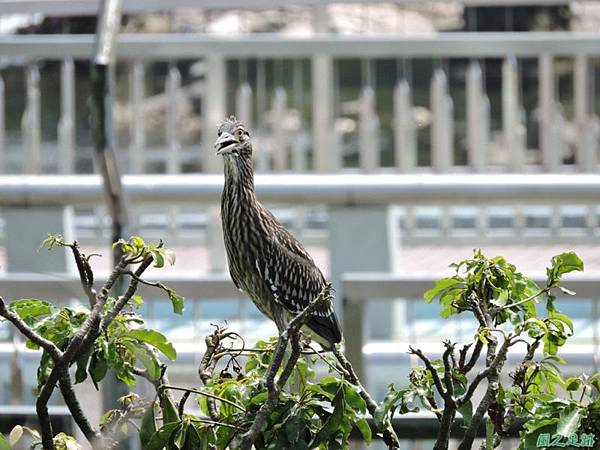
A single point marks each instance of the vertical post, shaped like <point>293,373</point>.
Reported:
<point>375,251</point>
<point>513,129</point>
<point>31,121</point>
<point>138,120</point>
<point>322,113</point>
<point>549,136</point>
<point>324,159</point>
<point>441,124</point>
<point>368,130</point>
<point>214,109</point>
<point>587,142</point>
<point>279,147</point>
<point>66,125</point>
<point>173,91</point>
<point>405,136</point>
<point>3,149</point>
<point>215,100</point>
<point>243,104</point>
<point>477,119</point>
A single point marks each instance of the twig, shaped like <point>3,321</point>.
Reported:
<point>485,373</point>
<point>86,275</point>
<point>206,394</point>
<point>434,375</point>
<point>466,368</point>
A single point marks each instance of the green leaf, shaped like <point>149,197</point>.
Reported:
<point>293,426</point>
<point>489,435</point>
<point>259,398</point>
<point>98,368</point>
<point>440,286</point>
<point>15,435</point>
<point>148,426</point>
<point>365,430</point>
<point>147,358</point>
<point>570,418</point>
<point>161,437</point>
<point>158,257</point>
<point>82,367</point>
<point>573,384</point>
<point>561,264</point>
<point>30,307</point>
<point>155,339</point>
<point>137,299</point>
<point>4,445</point>
<point>466,410</point>
<point>177,301</point>
<point>169,410</point>
<point>180,435</point>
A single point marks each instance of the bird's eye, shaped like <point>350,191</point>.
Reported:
<point>238,133</point>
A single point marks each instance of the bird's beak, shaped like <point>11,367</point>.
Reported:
<point>225,143</point>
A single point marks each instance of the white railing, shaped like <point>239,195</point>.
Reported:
<point>335,135</point>
<point>90,7</point>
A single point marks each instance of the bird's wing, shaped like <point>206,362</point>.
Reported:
<point>283,236</point>
<point>293,279</point>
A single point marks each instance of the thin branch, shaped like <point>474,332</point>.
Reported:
<point>291,362</point>
<point>205,394</point>
<point>521,302</point>
<point>448,368</point>
<point>85,273</point>
<point>41,408</point>
<point>434,375</point>
<point>126,297</point>
<point>495,361</point>
<point>485,373</point>
<point>466,368</point>
<point>28,332</point>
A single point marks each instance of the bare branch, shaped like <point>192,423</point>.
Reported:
<point>434,375</point>
<point>466,368</point>
<point>85,273</point>
<point>448,368</point>
<point>485,373</point>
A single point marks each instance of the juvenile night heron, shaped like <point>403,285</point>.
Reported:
<point>265,260</point>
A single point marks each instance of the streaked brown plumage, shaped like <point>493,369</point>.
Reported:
<point>265,260</point>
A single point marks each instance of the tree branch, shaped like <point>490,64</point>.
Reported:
<point>66,389</point>
<point>434,375</point>
<point>85,273</point>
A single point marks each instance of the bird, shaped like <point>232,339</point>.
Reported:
<point>265,260</point>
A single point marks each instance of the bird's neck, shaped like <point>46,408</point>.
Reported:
<point>239,174</point>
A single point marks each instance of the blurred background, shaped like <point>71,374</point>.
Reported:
<point>432,93</point>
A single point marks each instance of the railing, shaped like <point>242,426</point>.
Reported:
<point>324,122</point>
<point>90,7</point>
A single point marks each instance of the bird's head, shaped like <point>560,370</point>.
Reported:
<point>233,139</point>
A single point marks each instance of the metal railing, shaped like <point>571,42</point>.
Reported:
<point>349,126</point>
<point>90,7</point>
